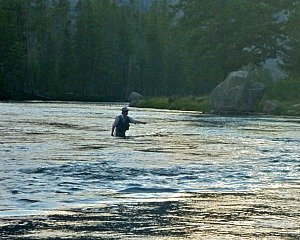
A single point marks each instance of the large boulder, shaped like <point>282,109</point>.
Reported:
<point>238,93</point>
<point>134,98</point>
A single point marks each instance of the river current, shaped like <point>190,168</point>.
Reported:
<point>183,175</point>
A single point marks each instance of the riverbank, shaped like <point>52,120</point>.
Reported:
<point>192,103</point>
<point>283,95</point>
<point>201,104</point>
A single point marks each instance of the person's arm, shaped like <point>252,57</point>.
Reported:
<point>112,130</point>
<point>131,120</point>
<point>114,126</point>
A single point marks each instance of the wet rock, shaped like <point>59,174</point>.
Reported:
<point>238,93</point>
<point>134,98</point>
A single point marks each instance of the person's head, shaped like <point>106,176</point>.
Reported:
<point>125,111</point>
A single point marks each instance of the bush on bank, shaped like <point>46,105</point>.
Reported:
<point>286,94</point>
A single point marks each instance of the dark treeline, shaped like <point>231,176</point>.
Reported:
<point>101,50</point>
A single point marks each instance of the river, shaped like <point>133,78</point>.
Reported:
<point>183,175</point>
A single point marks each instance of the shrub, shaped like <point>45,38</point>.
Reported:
<point>284,90</point>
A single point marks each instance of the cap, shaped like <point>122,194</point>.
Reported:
<point>125,109</point>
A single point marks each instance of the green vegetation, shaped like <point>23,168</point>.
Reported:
<point>101,50</point>
<point>286,94</point>
<point>176,103</point>
<point>284,90</point>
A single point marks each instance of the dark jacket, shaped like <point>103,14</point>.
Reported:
<point>122,126</point>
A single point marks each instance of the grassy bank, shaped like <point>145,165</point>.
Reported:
<point>177,103</point>
<point>285,94</point>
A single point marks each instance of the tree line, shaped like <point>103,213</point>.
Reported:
<point>101,50</point>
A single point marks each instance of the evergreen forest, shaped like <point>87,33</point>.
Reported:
<point>101,50</point>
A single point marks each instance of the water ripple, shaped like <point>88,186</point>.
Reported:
<point>184,175</point>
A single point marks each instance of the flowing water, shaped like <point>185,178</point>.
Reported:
<point>183,175</point>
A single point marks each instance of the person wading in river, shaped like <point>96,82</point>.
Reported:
<point>121,123</point>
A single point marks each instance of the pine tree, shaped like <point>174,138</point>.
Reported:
<point>221,36</point>
<point>292,51</point>
<point>13,46</point>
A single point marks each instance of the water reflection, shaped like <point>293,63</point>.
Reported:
<point>193,216</point>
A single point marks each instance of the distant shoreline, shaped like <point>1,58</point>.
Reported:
<point>201,104</point>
